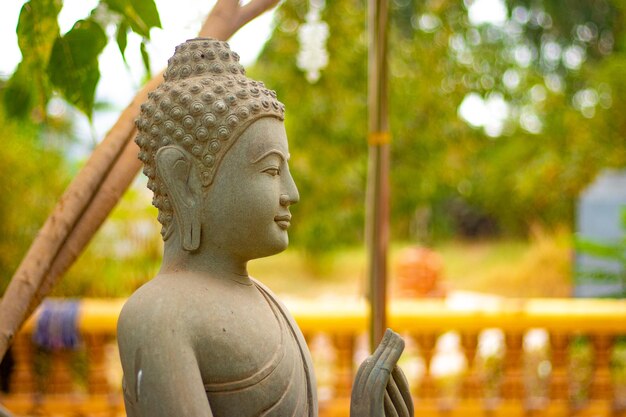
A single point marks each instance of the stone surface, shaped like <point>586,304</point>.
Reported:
<point>203,338</point>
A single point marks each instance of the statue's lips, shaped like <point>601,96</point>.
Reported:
<point>283,221</point>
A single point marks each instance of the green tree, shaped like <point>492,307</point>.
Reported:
<point>553,66</point>
<point>32,175</point>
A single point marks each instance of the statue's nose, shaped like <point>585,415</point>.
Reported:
<point>290,192</point>
<point>288,199</point>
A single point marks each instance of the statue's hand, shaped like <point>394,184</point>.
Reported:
<point>380,388</point>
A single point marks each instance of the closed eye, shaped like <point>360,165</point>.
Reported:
<point>273,171</point>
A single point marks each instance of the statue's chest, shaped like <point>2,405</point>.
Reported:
<point>258,369</point>
<point>243,336</point>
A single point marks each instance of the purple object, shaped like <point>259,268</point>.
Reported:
<point>56,326</point>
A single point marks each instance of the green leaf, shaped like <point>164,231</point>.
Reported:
<point>73,66</point>
<point>142,15</point>
<point>19,94</point>
<point>122,37</point>
<point>145,57</point>
<point>37,28</point>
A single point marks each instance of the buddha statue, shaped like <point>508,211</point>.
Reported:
<point>203,338</point>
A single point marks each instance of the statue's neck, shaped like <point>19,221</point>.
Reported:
<point>207,261</point>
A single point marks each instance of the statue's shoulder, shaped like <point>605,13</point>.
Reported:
<point>183,302</point>
<point>154,306</point>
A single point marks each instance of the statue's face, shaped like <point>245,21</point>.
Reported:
<point>246,209</point>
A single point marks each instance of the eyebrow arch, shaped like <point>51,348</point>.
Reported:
<point>272,151</point>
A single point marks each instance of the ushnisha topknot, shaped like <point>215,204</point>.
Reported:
<point>204,105</point>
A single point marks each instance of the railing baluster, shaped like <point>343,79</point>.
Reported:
<point>471,382</point>
<point>601,381</point>
<point>60,379</point>
<point>344,346</point>
<point>97,382</point>
<point>559,385</point>
<point>512,384</point>
<point>23,377</point>
<point>426,343</point>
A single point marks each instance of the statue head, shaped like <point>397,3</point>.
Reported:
<point>195,116</point>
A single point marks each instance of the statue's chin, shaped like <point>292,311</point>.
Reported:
<point>269,249</point>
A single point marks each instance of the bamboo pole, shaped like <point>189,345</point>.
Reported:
<point>96,190</point>
<point>377,227</point>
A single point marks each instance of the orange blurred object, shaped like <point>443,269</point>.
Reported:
<point>419,273</point>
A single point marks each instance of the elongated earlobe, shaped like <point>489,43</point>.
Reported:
<point>173,168</point>
<point>191,233</point>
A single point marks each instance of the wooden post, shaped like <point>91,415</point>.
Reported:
<point>377,227</point>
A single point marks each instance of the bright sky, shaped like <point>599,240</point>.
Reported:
<point>181,20</point>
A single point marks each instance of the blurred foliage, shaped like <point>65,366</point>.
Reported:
<point>124,254</point>
<point>68,63</point>
<point>32,177</point>
<point>554,67</point>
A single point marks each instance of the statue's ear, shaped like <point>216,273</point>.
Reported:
<point>174,168</point>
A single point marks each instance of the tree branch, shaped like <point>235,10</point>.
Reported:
<point>228,16</point>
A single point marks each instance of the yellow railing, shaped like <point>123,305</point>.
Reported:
<point>524,375</point>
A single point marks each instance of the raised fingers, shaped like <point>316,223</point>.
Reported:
<point>398,400</point>
<point>399,379</point>
<point>390,410</point>
<point>362,380</point>
<point>362,374</point>
<point>388,358</point>
<point>380,386</point>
